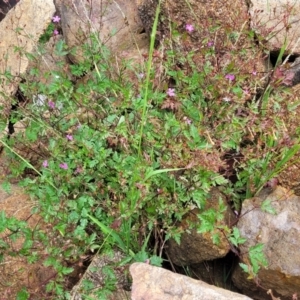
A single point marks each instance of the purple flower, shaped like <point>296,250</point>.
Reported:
<point>45,163</point>
<point>64,166</point>
<point>230,77</point>
<point>55,19</point>
<point>69,137</point>
<point>141,75</point>
<point>254,73</point>
<point>189,28</point>
<point>55,32</point>
<point>51,104</point>
<point>171,92</point>
<point>210,44</point>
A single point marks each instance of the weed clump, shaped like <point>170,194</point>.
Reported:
<point>118,162</point>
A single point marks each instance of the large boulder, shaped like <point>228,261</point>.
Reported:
<point>195,247</point>
<point>46,61</point>
<point>280,234</point>
<point>96,276</point>
<point>5,6</point>
<point>20,31</point>
<point>277,22</point>
<point>153,283</point>
<point>116,24</point>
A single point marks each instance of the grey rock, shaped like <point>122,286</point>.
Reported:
<point>197,247</point>
<point>280,234</point>
<point>292,74</point>
<point>115,23</point>
<point>277,22</point>
<point>22,27</point>
<point>153,283</point>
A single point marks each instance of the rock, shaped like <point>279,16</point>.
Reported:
<point>21,28</point>
<point>117,22</point>
<point>276,21</point>
<point>196,247</point>
<point>153,283</point>
<point>280,235</point>
<point>5,6</point>
<point>292,74</point>
<point>47,61</point>
<point>96,276</point>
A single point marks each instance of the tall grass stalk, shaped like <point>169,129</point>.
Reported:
<point>149,65</point>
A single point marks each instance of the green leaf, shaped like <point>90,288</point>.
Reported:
<point>108,231</point>
<point>216,238</point>
<point>290,153</point>
<point>156,261</point>
<point>3,221</point>
<point>244,267</point>
<point>3,125</point>
<point>32,131</point>
<point>151,172</point>
<point>236,238</point>
<point>93,163</point>
<point>220,180</point>
<point>6,186</point>
<point>66,271</point>
<point>61,228</point>
<point>266,206</point>
<point>59,49</point>
<point>141,256</point>
<point>23,295</point>
<point>257,257</point>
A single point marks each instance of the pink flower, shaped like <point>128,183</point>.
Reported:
<point>78,170</point>
<point>210,44</point>
<point>187,120</point>
<point>189,28</point>
<point>230,77</point>
<point>45,163</point>
<point>254,73</point>
<point>55,32</point>
<point>51,104</point>
<point>55,19</point>
<point>69,137</point>
<point>171,92</point>
<point>246,92</point>
<point>64,166</point>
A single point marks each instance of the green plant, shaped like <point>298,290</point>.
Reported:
<point>47,34</point>
<point>120,161</point>
<point>256,260</point>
